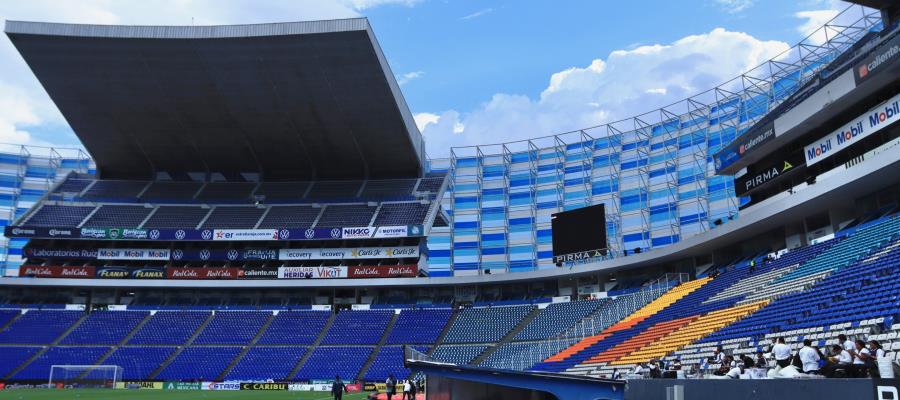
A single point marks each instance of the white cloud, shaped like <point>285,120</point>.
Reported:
<point>477,14</point>
<point>626,83</point>
<point>815,19</point>
<point>24,103</point>
<point>409,76</point>
<point>734,6</point>
<point>425,119</point>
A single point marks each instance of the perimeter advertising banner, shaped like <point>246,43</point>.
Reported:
<point>57,272</point>
<point>217,234</point>
<point>223,255</point>
<point>203,273</point>
<point>854,131</point>
<point>383,271</point>
<point>72,254</point>
<point>880,60</point>
<point>312,272</point>
<point>349,253</point>
<point>134,254</point>
<point>742,145</point>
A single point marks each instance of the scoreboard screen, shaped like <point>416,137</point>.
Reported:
<point>579,233</point>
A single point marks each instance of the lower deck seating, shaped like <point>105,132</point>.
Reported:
<point>200,363</point>
<point>264,363</point>
<point>328,362</point>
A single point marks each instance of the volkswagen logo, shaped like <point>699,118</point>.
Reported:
<point>177,254</point>
<point>179,234</point>
<point>336,233</point>
<point>309,233</point>
<point>154,234</point>
<point>284,234</point>
<point>206,234</point>
<point>204,254</point>
<point>232,254</point>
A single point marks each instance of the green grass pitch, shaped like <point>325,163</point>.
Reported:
<point>110,394</point>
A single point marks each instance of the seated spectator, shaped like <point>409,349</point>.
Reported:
<point>676,365</point>
<point>781,352</point>
<point>761,361</point>
<point>655,372</point>
<point>809,357</point>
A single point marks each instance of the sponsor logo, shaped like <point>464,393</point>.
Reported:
<point>149,274</point>
<point>182,386</point>
<point>204,254</point>
<point>861,127</point>
<point>206,234</point>
<point>768,174</point>
<point>583,255</point>
<point>60,232</point>
<point>133,254</point>
<point>335,233</point>
<point>312,272</point>
<point>232,254</point>
<point>134,234</point>
<point>264,386</point>
<point>260,254</point>
<point>61,253</point>
<point>24,231</point>
<point>258,273</point>
<point>309,233</point>
<point>203,273</point>
<point>357,233</point>
<point>177,254</point>
<point>284,234</point>
<point>154,234</point>
<point>223,385</point>
<point>383,271</point>
<point>93,233</point>
<point>179,234</point>
<point>873,63</point>
<point>403,252</point>
<point>245,234</point>
<point>415,230</point>
<point>113,273</point>
<point>56,272</point>
<point>391,231</point>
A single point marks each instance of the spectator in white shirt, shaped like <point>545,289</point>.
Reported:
<point>859,359</point>
<point>847,344</point>
<point>735,372</point>
<point>782,353</point>
<point>809,357</point>
<point>876,353</point>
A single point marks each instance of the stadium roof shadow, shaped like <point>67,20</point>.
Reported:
<point>298,100</point>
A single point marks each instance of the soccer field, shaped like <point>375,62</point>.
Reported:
<point>107,394</point>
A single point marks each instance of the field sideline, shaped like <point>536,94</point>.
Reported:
<point>110,394</point>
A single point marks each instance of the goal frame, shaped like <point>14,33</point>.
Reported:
<point>87,369</point>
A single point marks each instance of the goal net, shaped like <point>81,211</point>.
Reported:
<point>93,376</point>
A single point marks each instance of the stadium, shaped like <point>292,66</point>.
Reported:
<point>254,210</point>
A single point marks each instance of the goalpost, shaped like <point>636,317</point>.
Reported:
<point>93,376</point>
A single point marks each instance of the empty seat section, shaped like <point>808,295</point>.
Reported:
<point>336,216</point>
<point>227,192</point>
<point>232,327</point>
<point>401,214</point>
<point>556,318</point>
<point>290,217</point>
<point>8,315</point>
<point>392,189</point>
<point>112,216</point>
<point>389,361</point>
<point>334,191</point>
<point>226,217</point>
<point>58,216</point>
<point>282,192</point>
<point>185,217</point>
<point>459,355</point>
<point>430,184</point>
<point>39,368</point>
<point>199,363</point>
<point>73,185</point>
<point>264,363</point>
<point>358,327</point>
<point>295,327</point>
<point>419,326</point>
<point>105,327</point>
<point>39,326</point>
<point>139,362</point>
<point>485,325</point>
<point>524,355</point>
<point>114,190</point>
<point>328,362</point>
<point>169,328</point>
<point>175,192</point>
<point>12,357</point>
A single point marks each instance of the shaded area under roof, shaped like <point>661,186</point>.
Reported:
<point>299,100</point>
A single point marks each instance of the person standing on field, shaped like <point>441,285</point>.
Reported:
<point>338,388</point>
<point>391,388</point>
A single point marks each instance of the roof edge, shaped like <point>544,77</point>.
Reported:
<point>186,32</point>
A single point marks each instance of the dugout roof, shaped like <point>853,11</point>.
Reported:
<point>297,100</point>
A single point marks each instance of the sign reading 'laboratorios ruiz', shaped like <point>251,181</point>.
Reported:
<point>860,127</point>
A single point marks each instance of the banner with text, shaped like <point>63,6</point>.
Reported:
<point>203,273</point>
<point>383,271</point>
<point>72,254</point>
<point>860,127</point>
<point>366,232</point>
<point>312,272</point>
<point>349,253</point>
<point>56,272</point>
<point>134,254</point>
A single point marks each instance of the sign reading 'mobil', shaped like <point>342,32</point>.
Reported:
<point>860,127</point>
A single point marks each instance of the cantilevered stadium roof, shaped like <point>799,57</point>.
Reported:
<point>298,100</point>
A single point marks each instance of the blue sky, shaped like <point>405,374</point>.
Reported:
<point>478,71</point>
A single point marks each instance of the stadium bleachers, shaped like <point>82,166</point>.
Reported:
<point>485,325</point>
<point>227,192</point>
<point>232,327</point>
<point>104,327</point>
<point>328,362</point>
<point>39,368</point>
<point>58,216</point>
<point>346,215</point>
<point>556,318</point>
<point>295,327</point>
<point>419,326</point>
<point>165,191</point>
<point>290,217</point>
<point>113,190</point>
<point>12,357</point>
<point>169,328</point>
<point>263,363</point>
<point>358,327</point>
<point>118,216</point>
<point>401,214</point>
<point>203,363</point>
<point>233,217</point>
<point>389,361</point>
<point>462,355</point>
<point>139,362</point>
<point>186,217</point>
<point>39,327</point>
